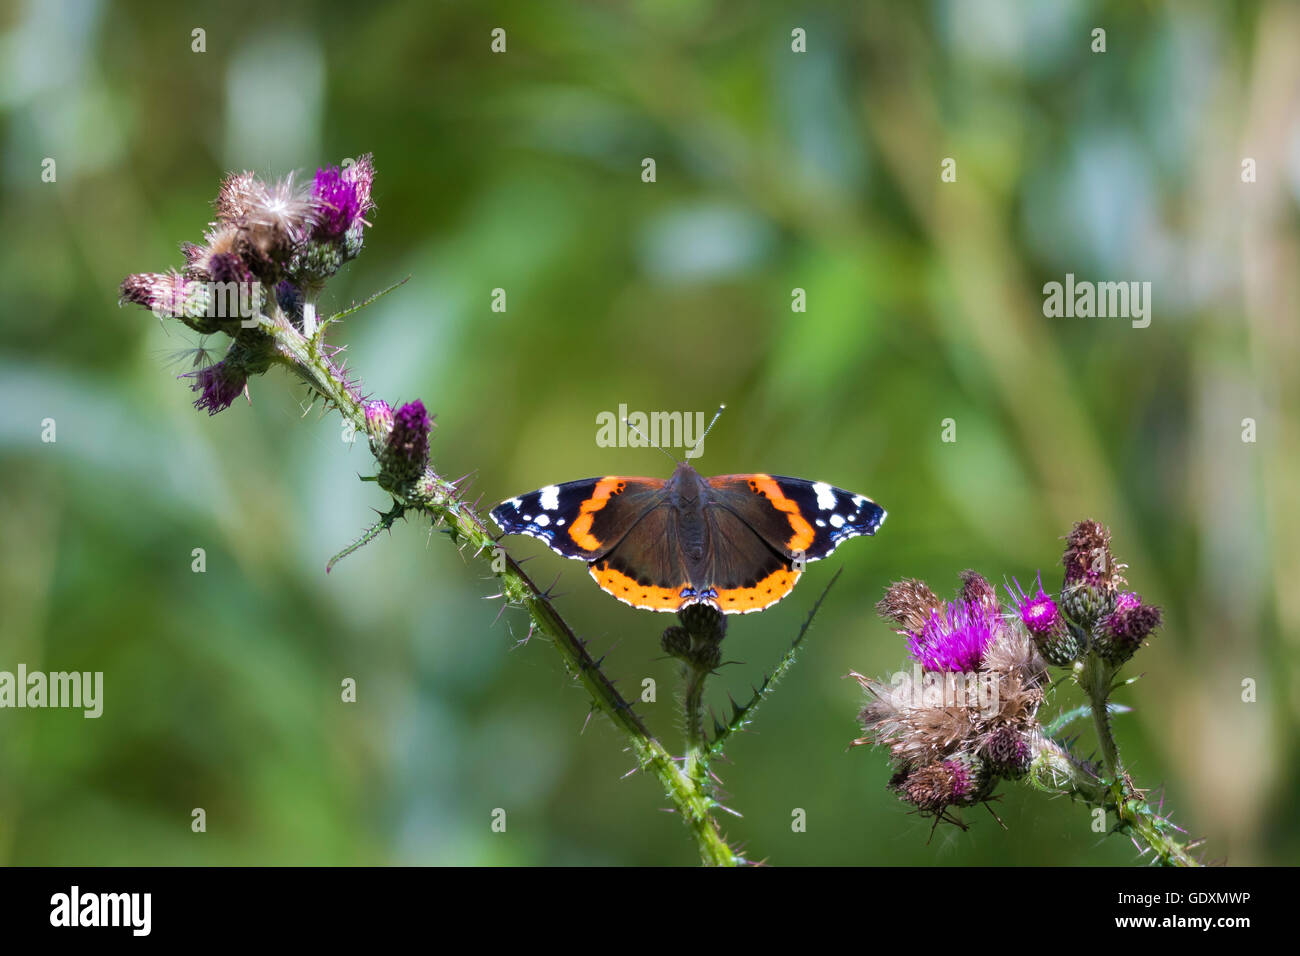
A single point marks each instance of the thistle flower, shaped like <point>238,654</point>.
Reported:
<point>220,384</point>
<point>1123,630</point>
<point>1042,618</point>
<point>407,450</point>
<point>909,604</point>
<point>954,640</point>
<point>337,204</point>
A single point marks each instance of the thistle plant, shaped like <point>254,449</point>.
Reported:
<point>256,279</point>
<point>967,715</point>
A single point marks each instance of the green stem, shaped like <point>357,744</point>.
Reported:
<point>696,769</point>
<point>1132,810</point>
<point>1095,678</point>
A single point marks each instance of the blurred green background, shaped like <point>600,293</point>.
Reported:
<point>775,170</point>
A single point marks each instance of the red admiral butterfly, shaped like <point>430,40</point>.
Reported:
<point>736,541</point>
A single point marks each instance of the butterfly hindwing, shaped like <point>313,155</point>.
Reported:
<point>581,519</point>
<point>646,568</point>
<point>796,516</point>
<point>745,572</point>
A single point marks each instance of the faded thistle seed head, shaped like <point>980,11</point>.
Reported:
<point>908,604</point>
<point>961,780</point>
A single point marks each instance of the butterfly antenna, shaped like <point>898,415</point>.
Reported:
<point>700,440</point>
<point>648,441</point>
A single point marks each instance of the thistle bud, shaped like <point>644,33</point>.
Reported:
<point>1125,628</point>
<point>1091,575</point>
<point>1008,752</point>
<point>704,620</point>
<point>908,604</point>
<point>170,295</point>
<point>407,451</point>
<point>379,421</point>
<point>977,592</point>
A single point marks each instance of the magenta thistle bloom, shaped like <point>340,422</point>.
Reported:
<point>1039,612</point>
<point>955,640</point>
<point>337,201</point>
<point>409,439</point>
<point>220,384</point>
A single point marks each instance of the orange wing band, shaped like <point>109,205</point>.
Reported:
<point>802,534</point>
<point>763,594</point>
<point>580,530</point>
<point>646,596</point>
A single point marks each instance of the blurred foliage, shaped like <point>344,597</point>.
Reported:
<point>775,170</point>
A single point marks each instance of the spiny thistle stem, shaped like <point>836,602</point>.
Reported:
<point>696,768</point>
<point>1095,677</point>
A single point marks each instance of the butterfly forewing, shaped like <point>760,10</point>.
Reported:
<point>796,516</point>
<point>575,519</point>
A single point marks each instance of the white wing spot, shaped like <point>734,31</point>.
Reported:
<point>821,523</point>
<point>858,501</point>
<point>837,521</point>
<point>825,496</point>
<point>550,498</point>
<point>543,521</point>
<point>515,503</point>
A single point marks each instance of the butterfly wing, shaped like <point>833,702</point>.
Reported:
<point>746,573</point>
<point>581,519</point>
<point>646,568</point>
<point>795,516</point>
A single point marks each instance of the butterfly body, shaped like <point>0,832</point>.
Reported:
<point>736,541</point>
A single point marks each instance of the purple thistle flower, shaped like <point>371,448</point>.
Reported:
<point>220,384</point>
<point>337,200</point>
<point>955,640</point>
<point>1132,621</point>
<point>1039,612</point>
<point>409,439</point>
